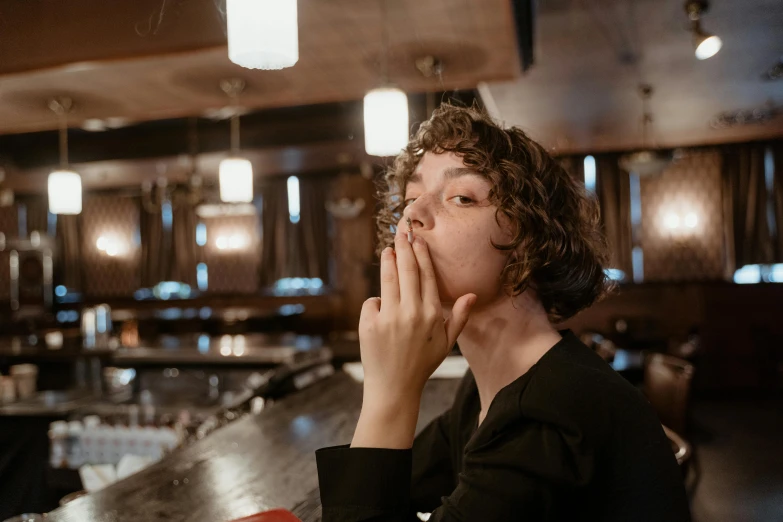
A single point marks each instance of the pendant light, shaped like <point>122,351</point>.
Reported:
<point>65,185</point>
<point>235,173</point>
<point>262,34</point>
<point>647,162</point>
<point>706,45</point>
<point>385,109</point>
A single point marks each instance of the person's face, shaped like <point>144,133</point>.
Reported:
<point>449,208</point>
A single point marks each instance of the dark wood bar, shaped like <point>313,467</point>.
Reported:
<point>261,462</point>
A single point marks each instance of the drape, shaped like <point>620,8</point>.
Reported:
<point>185,252</point>
<point>613,190</point>
<point>747,233</point>
<point>156,248</point>
<point>69,251</point>
<point>777,194</point>
<point>294,249</point>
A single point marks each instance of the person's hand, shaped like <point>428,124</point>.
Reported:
<point>403,339</point>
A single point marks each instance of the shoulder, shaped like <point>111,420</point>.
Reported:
<point>573,387</point>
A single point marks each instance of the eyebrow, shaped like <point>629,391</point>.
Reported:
<point>450,173</point>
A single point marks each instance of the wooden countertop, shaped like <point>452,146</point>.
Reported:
<point>257,463</point>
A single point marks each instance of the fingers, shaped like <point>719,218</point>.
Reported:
<point>427,282</point>
<point>407,270</point>
<point>459,317</point>
<point>390,287</point>
<point>370,310</point>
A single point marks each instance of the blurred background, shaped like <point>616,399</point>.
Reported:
<point>139,268</point>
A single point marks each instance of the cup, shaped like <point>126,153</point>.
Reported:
<point>25,377</point>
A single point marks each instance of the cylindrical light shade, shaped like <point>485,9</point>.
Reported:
<point>65,192</point>
<point>262,34</point>
<point>385,122</point>
<point>236,180</point>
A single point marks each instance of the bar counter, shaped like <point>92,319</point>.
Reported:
<point>257,463</point>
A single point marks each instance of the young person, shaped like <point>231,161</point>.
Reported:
<point>505,246</point>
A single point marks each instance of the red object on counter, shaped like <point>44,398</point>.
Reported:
<point>275,515</point>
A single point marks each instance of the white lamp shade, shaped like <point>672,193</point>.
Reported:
<point>263,34</point>
<point>65,192</point>
<point>236,180</point>
<point>707,46</point>
<point>385,122</point>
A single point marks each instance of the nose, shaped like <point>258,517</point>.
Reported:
<point>420,213</point>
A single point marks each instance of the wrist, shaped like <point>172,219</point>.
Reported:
<point>387,422</point>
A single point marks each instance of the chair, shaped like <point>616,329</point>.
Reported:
<point>667,384</point>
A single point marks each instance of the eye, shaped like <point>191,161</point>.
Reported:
<point>408,202</point>
<point>463,201</point>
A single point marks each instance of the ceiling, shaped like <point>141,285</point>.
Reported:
<point>130,62</point>
<point>156,59</point>
<point>581,94</point>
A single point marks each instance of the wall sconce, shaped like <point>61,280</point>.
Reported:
<point>680,227</point>
<point>232,242</point>
<point>110,246</point>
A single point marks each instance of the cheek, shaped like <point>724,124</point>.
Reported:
<point>467,263</point>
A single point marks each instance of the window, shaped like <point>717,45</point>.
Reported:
<point>637,254</point>
<point>590,173</point>
<point>293,199</point>
<point>298,286</point>
<point>201,234</point>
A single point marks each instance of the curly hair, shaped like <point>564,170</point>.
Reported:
<point>558,249</point>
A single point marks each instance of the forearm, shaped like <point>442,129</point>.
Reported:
<point>387,423</point>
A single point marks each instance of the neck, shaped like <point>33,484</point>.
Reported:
<point>502,340</point>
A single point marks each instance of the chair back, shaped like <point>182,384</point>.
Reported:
<point>667,385</point>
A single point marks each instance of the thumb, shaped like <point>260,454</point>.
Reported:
<point>459,317</point>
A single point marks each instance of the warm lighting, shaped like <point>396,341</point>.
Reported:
<point>707,45</point>
<point>691,220</point>
<point>232,242</point>
<point>109,246</point>
<point>385,122</point>
<point>236,180</point>
<point>65,192</point>
<point>672,221</point>
<point>263,34</point>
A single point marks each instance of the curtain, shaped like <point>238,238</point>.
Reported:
<point>777,195</point>
<point>746,231</point>
<point>69,247</point>
<point>37,210</point>
<point>183,239</point>
<point>156,254</point>
<point>614,196</point>
<point>294,249</point>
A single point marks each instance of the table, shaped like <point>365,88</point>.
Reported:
<point>257,463</point>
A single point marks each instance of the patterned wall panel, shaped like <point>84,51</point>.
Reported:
<point>110,250</point>
<point>10,229</point>
<point>232,254</point>
<point>682,221</point>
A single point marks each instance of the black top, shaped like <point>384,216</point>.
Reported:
<point>569,440</point>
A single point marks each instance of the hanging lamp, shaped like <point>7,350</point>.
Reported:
<point>263,34</point>
<point>385,108</point>
<point>647,162</point>
<point>64,185</point>
<point>235,173</point>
